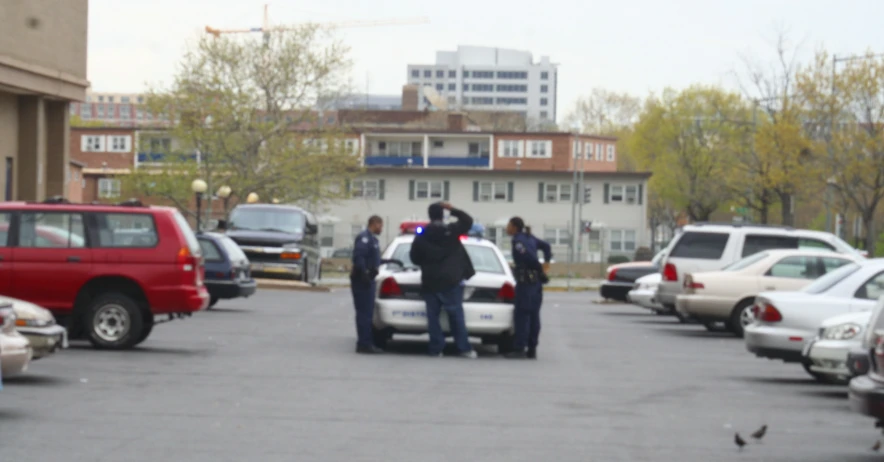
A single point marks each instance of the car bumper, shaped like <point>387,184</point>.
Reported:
<point>829,357</point>
<point>667,291</point>
<point>410,316</point>
<point>776,342</point>
<point>645,298</point>
<point>45,340</point>
<point>615,290</point>
<point>277,268</point>
<point>231,289</point>
<point>866,396</point>
<point>704,307</point>
<point>179,299</point>
<point>15,354</point>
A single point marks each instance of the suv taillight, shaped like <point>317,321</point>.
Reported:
<point>507,293</point>
<point>390,288</point>
<point>188,263</point>
<point>669,273</point>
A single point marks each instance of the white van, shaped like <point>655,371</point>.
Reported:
<point>712,246</point>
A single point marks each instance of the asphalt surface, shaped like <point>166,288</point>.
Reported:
<point>275,378</point>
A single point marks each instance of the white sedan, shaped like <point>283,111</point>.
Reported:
<point>644,292</point>
<point>488,296</point>
<point>785,321</point>
<point>827,353</point>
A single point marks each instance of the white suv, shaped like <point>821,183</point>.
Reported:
<point>712,246</point>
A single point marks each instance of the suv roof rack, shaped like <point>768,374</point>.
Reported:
<point>738,225</point>
<point>61,200</point>
<point>56,200</point>
<point>133,202</point>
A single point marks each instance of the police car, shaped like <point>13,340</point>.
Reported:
<point>488,296</point>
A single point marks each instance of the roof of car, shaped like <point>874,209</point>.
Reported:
<point>769,229</point>
<point>61,204</point>
<point>211,235</point>
<point>777,252</point>
<point>470,240</point>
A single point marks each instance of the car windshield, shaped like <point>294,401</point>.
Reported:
<point>264,219</point>
<point>484,258</point>
<point>748,261</point>
<point>232,249</point>
<point>829,280</point>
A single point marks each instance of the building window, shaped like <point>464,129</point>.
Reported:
<point>483,75</point>
<point>428,189</point>
<point>616,194</point>
<point>544,115</point>
<point>622,240</point>
<point>466,74</point>
<point>440,86</point>
<point>544,88</point>
<point>482,100</point>
<point>400,148</point>
<point>557,236</point>
<point>110,111</point>
<point>125,112</point>
<point>544,101</point>
<point>101,99</point>
<point>511,148</point>
<point>483,87</point>
<point>110,99</point>
<point>512,75</point>
<point>139,114</point>
<point>452,74</point>
<point>120,143</point>
<point>124,99</point>
<point>366,189</point>
<point>587,151</point>
<point>428,73</point>
<point>540,148</point>
<point>557,192</point>
<point>544,75</point>
<point>509,101</point>
<point>440,74</point>
<point>92,143</point>
<point>351,146</point>
<point>631,194</point>
<point>576,150</point>
<point>100,108</point>
<point>160,144</point>
<point>327,235</point>
<point>513,88</point>
<point>452,86</point>
<point>140,99</point>
<point>610,153</point>
<point>493,191</point>
<point>415,73</point>
<point>598,151</point>
<point>108,188</point>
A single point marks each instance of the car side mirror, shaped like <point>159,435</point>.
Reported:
<point>311,229</point>
<point>222,224</point>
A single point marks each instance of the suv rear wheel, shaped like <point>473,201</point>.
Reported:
<point>114,321</point>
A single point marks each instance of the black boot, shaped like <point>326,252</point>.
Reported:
<point>532,353</point>
<point>368,350</point>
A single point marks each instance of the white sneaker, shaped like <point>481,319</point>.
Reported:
<point>470,355</point>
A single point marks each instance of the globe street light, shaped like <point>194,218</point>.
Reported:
<point>199,188</point>
<point>252,198</point>
<point>224,193</point>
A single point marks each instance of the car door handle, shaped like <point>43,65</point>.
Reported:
<point>73,259</point>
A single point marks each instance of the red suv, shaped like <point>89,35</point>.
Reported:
<point>105,271</point>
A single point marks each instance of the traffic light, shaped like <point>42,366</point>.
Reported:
<point>587,194</point>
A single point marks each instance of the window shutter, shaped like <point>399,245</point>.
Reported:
<point>500,148</point>
<point>475,191</point>
<point>509,191</point>
<point>381,187</point>
<point>411,190</point>
<point>549,149</point>
<point>540,192</point>
<point>445,190</point>
<point>640,193</point>
<point>347,187</point>
<point>607,189</point>
<point>84,143</point>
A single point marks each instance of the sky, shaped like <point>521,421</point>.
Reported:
<point>634,46</point>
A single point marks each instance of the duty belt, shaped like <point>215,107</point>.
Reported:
<point>525,275</point>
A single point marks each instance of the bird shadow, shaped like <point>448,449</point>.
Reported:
<point>829,394</point>
<point>627,313</point>
<point>35,380</point>
<point>217,309</point>
<point>11,414</point>
<point>417,348</point>
<point>782,381</point>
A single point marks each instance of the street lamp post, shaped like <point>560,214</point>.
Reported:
<point>224,193</point>
<point>199,188</point>
<point>252,198</point>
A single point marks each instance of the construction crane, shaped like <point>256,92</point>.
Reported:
<point>267,28</point>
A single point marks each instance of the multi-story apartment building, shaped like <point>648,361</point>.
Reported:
<point>490,79</point>
<point>42,70</point>
<point>106,153</point>
<point>125,109</point>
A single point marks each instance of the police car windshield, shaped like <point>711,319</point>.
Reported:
<point>485,259</point>
<point>256,219</point>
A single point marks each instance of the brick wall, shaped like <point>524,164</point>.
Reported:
<point>105,155</point>
<point>561,146</point>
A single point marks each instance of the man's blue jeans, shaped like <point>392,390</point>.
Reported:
<point>451,301</point>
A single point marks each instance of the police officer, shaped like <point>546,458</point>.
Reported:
<point>544,247</point>
<point>366,260</point>
<point>530,275</point>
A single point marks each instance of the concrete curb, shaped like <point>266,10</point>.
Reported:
<point>290,285</point>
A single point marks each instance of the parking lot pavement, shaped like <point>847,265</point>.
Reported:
<point>274,378</point>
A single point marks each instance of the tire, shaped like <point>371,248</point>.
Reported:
<point>212,302</point>
<point>381,337</point>
<point>681,318</point>
<point>737,320</point>
<point>145,332</point>
<point>504,343</point>
<point>114,321</point>
<point>305,271</point>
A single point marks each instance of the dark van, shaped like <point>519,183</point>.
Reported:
<point>278,239</point>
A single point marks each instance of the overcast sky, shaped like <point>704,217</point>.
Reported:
<point>637,46</point>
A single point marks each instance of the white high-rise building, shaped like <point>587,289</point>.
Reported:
<point>491,79</point>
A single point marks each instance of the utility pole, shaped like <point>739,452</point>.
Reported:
<point>574,193</point>
<point>581,190</point>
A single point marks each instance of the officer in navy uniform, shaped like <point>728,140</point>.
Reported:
<point>366,261</point>
<point>544,247</point>
<point>530,277</point>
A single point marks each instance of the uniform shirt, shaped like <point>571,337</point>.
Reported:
<point>366,253</point>
<point>525,252</point>
<point>544,247</point>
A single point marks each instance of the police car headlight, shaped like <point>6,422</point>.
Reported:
<point>844,331</point>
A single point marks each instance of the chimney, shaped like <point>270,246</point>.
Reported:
<point>456,122</point>
<point>409,97</point>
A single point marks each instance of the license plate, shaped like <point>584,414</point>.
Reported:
<point>275,270</point>
<point>257,267</point>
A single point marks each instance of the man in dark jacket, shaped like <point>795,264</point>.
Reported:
<point>445,267</point>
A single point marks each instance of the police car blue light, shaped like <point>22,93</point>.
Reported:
<point>477,231</point>
<point>419,230</point>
